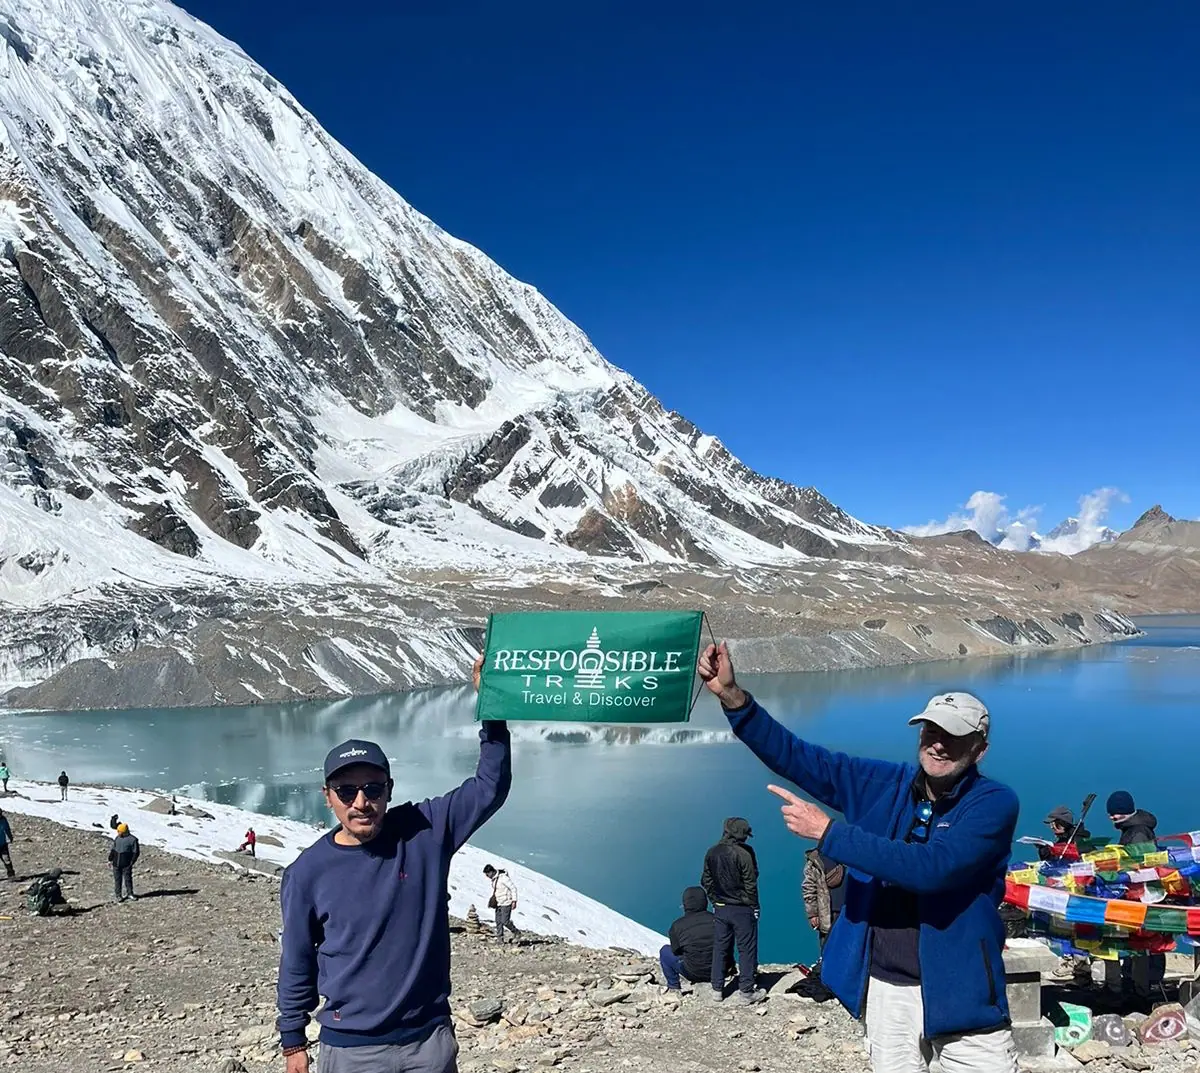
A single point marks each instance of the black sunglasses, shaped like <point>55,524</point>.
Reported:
<point>347,792</point>
<point>919,832</point>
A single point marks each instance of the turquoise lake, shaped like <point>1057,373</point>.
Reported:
<point>626,816</point>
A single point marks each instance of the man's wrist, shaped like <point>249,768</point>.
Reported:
<point>293,1040</point>
<point>733,698</point>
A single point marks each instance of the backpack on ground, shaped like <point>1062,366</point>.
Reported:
<point>43,895</point>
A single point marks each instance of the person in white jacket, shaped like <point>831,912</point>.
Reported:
<point>503,900</point>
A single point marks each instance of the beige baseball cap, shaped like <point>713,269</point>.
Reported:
<point>959,714</point>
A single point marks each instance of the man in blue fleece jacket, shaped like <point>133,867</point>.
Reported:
<point>366,915</point>
<point>917,949</point>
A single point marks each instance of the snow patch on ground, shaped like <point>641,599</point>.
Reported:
<point>546,907</point>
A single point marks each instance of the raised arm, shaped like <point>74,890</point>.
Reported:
<point>979,839</point>
<point>841,782</point>
<point>465,809</point>
<point>297,990</point>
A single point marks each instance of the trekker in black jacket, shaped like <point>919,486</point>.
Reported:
<point>123,856</point>
<point>1135,824</point>
<point>730,879</point>
<point>689,952</point>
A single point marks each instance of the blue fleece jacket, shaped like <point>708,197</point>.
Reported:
<point>957,876</point>
<point>368,926</point>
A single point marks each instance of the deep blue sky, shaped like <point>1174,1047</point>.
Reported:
<point>901,252</point>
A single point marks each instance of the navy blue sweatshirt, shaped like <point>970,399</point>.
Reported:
<point>368,926</point>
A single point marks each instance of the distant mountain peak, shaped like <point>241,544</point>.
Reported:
<point>1154,516</point>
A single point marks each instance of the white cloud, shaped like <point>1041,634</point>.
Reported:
<point>990,518</point>
<point>987,514</point>
<point>1089,528</point>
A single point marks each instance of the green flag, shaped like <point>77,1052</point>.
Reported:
<point>590,666</point>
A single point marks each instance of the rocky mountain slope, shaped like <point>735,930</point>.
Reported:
<point>260,414</point>
<point>225,338</point>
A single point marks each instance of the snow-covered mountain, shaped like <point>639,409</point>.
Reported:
<point>267,432</point>
<point>227,349</point>
<point>1072,529</point>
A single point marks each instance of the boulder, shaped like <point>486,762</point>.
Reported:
<point>1091,1050</point>
<point>1110,1028</point>
<point>609,996</point>
<point>161,806</point>
<point>484,1011</point>
<point>1166,1023</point>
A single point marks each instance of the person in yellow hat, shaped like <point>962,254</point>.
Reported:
<point>123,856</point>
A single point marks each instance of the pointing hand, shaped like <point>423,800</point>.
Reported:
<point>802,817</point>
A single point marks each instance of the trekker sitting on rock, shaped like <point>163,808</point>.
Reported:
<point>689,952</point>
<point>123,855</point>
<point>730,879</point>
<point>503,900</point>
<point>366,914</point>
<point>917,950</point>
<point>1067,836</point>
<point>44,893</point>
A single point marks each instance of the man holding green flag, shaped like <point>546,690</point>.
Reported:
<point>917,951</point>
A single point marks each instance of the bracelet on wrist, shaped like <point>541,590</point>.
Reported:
<point>297,1049</point>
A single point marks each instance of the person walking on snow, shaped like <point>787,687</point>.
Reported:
<point>123,855</point>
<point>248,845</point>
<point>730,879</point>
<point>366,914</point>
<point>6,838</point>
<point>63,783</point>
<point>503,900</point>
<point>917,950</point>
<point>5,775</point>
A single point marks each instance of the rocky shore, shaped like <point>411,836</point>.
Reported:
<point>183,980</point>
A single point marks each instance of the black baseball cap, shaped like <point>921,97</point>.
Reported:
<point>1062,815</point>
<point>354,752</point>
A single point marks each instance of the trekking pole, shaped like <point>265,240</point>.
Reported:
<point>1087,804</point>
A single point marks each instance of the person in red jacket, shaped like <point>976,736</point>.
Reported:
<point>248,845</point>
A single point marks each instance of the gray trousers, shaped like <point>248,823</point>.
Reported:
<point>123,878</point>
<point>504,920</point>
<point>436,1053</point>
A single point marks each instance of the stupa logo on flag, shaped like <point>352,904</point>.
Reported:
<point>590,673</point>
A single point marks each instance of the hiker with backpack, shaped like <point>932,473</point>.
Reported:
<point>503,901</point>
<point>44,893</point>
